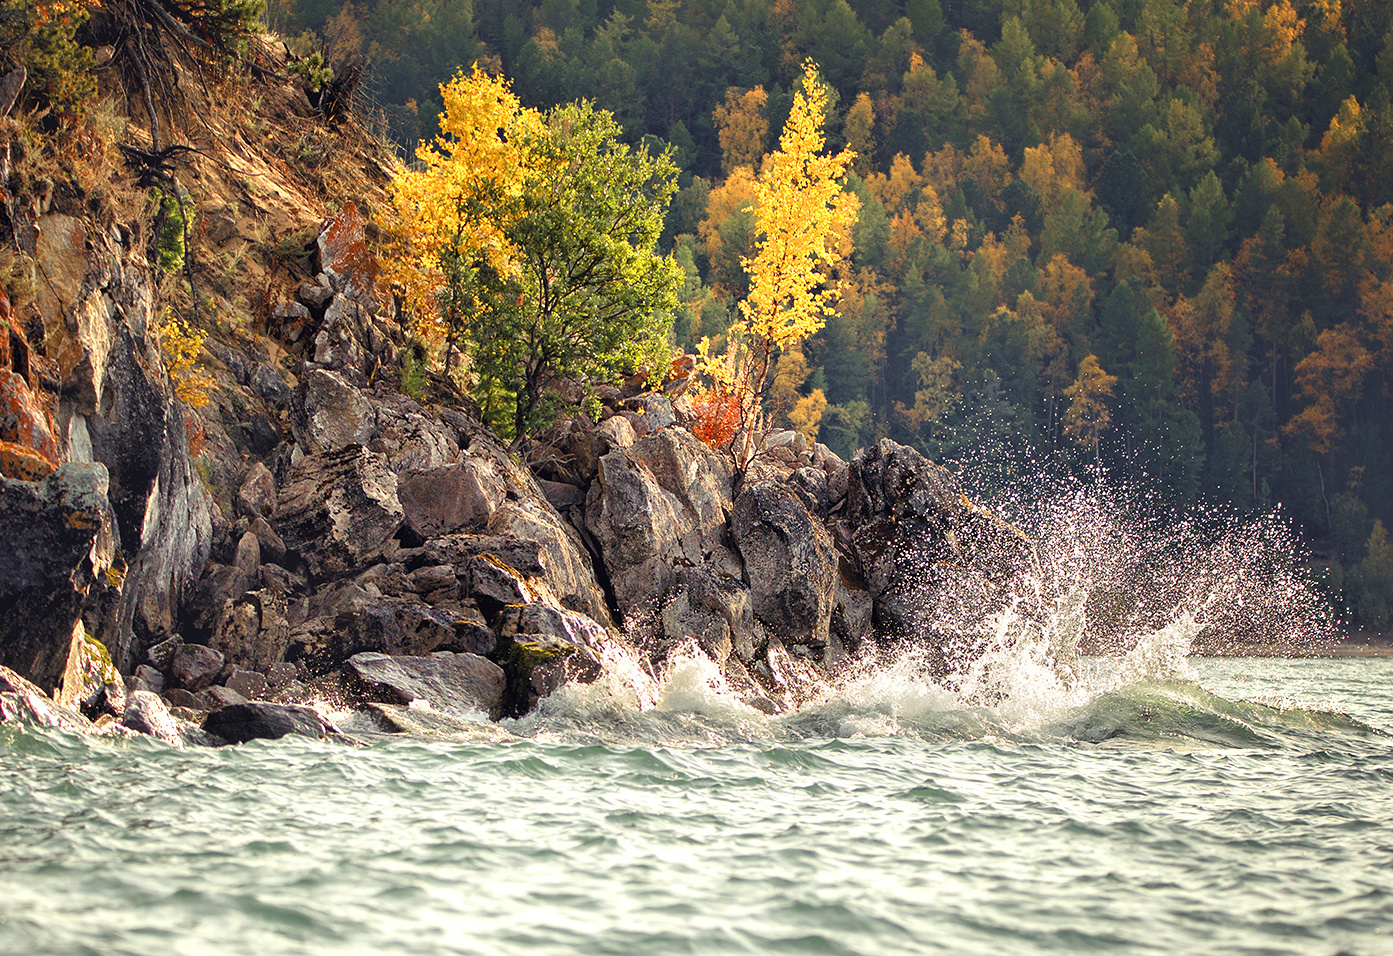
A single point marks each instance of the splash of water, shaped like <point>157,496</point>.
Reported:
<point>1120,597</point>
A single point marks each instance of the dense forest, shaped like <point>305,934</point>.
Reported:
<point>1151,237</point>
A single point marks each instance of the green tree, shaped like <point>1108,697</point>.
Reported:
<point>530,241</point>
<point>588,296</point>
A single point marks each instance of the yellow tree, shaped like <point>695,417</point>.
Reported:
<point>803,217</point>
<point>460,200</point>
<point>1088,416</point>
<point>741,128</point>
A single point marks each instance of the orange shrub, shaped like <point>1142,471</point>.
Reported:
<point>717,416</point>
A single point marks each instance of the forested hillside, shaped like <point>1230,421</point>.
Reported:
<point>1149,235</point>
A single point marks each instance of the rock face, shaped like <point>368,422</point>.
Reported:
<point>789,562</point>
<point>115,522</point>
<point>934,563</point>
<point>60,540</point>
<point>339,510</point>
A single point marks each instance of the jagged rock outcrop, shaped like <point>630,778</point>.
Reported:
<point>339,510</point>
<point>60,539</point>
<point>789,563</point>
<point>332,536</point>
<point>935,564</point>
<point>93,394</point>
<point>659,504</point>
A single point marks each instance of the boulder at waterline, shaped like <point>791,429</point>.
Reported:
<point>936,565</point>
<point>458,684</point>
<point>258,719</point>
<point>147,714</point>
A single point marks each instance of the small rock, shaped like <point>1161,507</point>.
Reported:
<point>146,679</point>
<point>217,227</point>
<point>162,654</point>
<point>250,684</point>
<point>272,547</point>
<point>259,720</point>
<point>492,580</point>
<point>616,432</point>
<point>561,495</point>
<point>290,311</point>
<point>656,410</point>
<point>38,709</point>
<point>147,714</point>
<point>257,494</point>
<point>178,697</point>
<point>248,556</point>
<point>316,294</point>
<point>280,674</point>
<point>196,667</point>
<point>279,579</point>
<point>217,696</point>
<point>267,381</point>
<point>13,683</point>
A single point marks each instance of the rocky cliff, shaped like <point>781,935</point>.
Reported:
<point>313,532</point>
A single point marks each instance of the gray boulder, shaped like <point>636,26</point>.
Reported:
<point>195,666</point>
<point>259,720</point>
<point>714,610</point>
<point>145,713</point>
<point>789,562</point>
<point>409,438</point>
<point>565,564</point>
<point>252,633</point>
<point>657,506</point>
<point>256,496</point>
<point>936,565</point>
<point>456,684</point>
<point>451,498</point>
<point>330,413</point>
<point>544,647</point>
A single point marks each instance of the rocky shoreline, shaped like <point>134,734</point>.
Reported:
<point>329,537</point>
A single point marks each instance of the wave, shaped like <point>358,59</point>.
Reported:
<point>1151,696</point>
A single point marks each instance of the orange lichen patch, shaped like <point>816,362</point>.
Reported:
<point>344,250</point>
<point>23,420</point>
<point>24,464</point>
<point>83,520</point>
<point>682,367</point>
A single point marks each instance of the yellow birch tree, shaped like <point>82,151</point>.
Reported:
<point>459,200</point>
<point>803,217</point>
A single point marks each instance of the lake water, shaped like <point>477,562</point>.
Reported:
<point>1241,806</point>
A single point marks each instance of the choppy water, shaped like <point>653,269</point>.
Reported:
<point>1244,807</point>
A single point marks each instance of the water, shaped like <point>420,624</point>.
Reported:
<point>1152,805</point>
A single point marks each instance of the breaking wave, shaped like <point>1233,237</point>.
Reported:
<point>1092,646</point>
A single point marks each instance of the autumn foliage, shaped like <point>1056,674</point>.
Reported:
<point>803,217</point>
